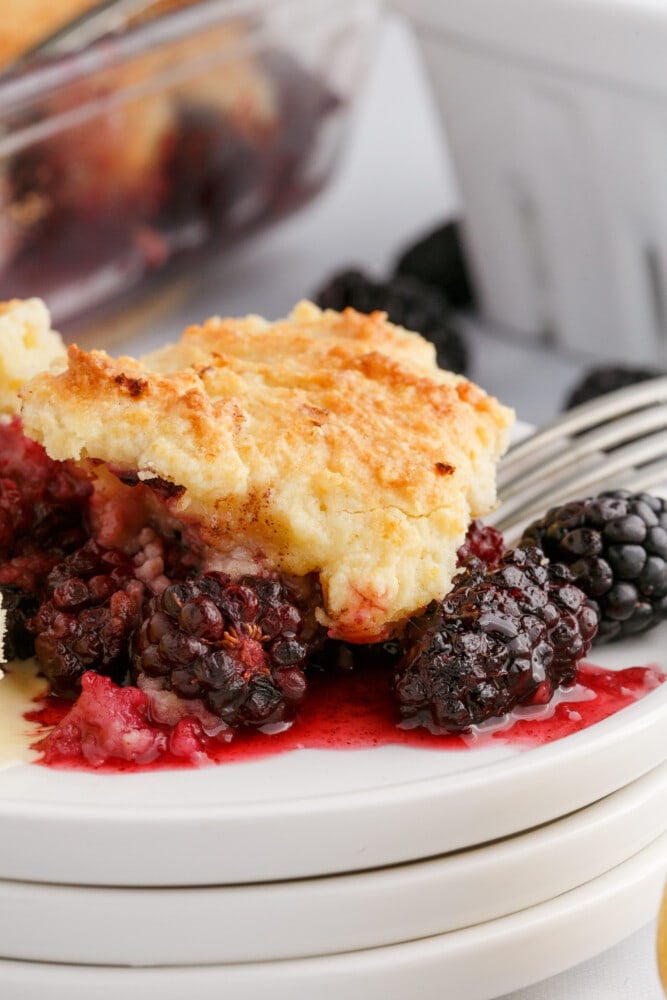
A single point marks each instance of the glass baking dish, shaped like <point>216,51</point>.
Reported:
<point>128,161</point>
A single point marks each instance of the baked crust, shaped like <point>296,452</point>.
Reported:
<point>27,22</point>
<point>325,443</point>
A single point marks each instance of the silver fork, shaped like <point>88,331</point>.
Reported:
<point>616,441</point>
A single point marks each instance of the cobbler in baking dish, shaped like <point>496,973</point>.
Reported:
<point>131,159</point>
<point>189,539</point>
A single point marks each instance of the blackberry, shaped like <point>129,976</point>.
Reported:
<point>615,545</point>
<point>28,569</point>
<point>605,378</point>
<point>483,542</point>
<point>507,634</point>
<point>237,645</point>
<point>93,605</point>
<point>407,302</point>
<point>439,259</point>
<point>20,606</point>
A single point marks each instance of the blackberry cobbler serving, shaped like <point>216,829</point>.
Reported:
<point>193,540</point>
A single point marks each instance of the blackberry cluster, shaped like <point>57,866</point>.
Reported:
<point>507,634</point>
<point>439,259</point>
<point>236,645</point>
<point>615,546</point>
<point>602,379</point>
<point>407,302</point>
<point>42,518</point>
<point>93,606</point>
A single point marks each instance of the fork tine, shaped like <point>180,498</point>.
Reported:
<point>609,435</point>
<point>638,465</point>
<point>647,478</point>
<point>597,411</point>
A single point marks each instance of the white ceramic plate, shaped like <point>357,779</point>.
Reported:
<point>300,918</point>
<point>313,812</point>
<point>473,964</point>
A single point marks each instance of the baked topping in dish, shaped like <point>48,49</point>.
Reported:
<point>25,23</point>
<point>327,444</point>
<point>187,131</point>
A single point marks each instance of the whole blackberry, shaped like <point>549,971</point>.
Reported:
<point>602,379</point>
<point>236,645</point>
<point>615,546</point>
<point>439,259</point>
<point>93,605</point>
<point>407,302</point>
<point>507,634</point>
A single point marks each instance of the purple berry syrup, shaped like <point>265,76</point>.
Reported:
<point>355,711</point>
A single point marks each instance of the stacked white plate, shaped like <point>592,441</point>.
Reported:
<point>387,872</point>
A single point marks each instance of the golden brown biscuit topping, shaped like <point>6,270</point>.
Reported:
<point>326,444</point>
<point>27,345</point>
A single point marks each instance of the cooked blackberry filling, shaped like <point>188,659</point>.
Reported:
<point>43,507</point>
<point>206,651</point>
<point>93,606</point>
<point>42,503</point>
<point>239,646</point>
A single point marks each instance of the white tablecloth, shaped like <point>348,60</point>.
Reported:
<point>625,972</point>
<point>395,181</point>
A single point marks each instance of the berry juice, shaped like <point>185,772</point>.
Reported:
<point>355,711</point>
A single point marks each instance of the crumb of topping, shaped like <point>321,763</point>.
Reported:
<point>28,345</point>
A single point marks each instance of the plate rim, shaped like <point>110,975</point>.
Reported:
<point>633,885</point>
<point>372,828</point>
<point>310,917</point>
